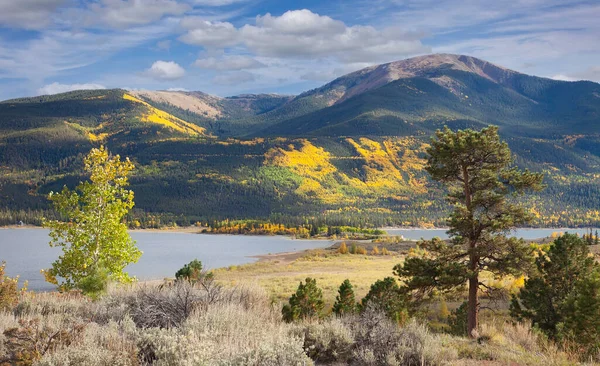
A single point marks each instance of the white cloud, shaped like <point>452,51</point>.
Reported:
<point>177,89</point>
<point>28,14</point>
<point>234,62</point>
<point>218,2</point>
<point>234,78</point>
<point>57,88</point>
<point>209,34</point>
<point>163,45</point>
<point>54,52</point>
<point>165,70</point>
<point>304,34</point>
<point>127,13</point>
<point>562,77</point>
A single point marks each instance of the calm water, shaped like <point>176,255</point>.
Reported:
<point>26,251</point>
<point>416,234</point>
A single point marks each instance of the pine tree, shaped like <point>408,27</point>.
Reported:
<point>306,303</point>
<point>345,303</point>
<point>542,299</point>
<point>387,296</point>
<point>476,168</point>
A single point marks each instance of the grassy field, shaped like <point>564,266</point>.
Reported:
<point>281,274</point>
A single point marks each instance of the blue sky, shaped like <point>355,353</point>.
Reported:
<point>228,47</point>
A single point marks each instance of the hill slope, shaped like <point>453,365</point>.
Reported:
<point>350,152</point>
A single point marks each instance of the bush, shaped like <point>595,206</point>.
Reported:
<point>361,250</point>
<point>95,284</point>
<point>193,272</point>
<point>345,303</point>
<point>379,341</point>
<point>306,303</point>
<point>329,341</point>
<point>31,340</point>
<point>388,297</point>
<point>9,290</point>
<point>353,248</point>
<point>165,306</point>
<point>343,249</point>
<point>457,320</point>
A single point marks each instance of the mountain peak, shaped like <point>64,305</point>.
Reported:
<point>431,66</point>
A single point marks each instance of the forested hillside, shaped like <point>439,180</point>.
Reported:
<point>349,153</point>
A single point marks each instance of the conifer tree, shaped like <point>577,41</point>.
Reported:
<point>345,302</point>
<point>387,296</point>
<point>476,167</point>
<point>306,303</point>
<point>542,299</point>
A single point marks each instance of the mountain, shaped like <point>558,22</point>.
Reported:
<point>349,152</point>
<point>424,93</point>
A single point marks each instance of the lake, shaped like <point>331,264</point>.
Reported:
<point>26,251</point>
<point>416,234</point>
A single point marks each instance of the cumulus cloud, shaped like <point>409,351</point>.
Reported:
<point>209,34</point>
<point>165,71</point>
<point>304,34</point>
<point>234,78</point>
<point>127,13</point>
<point>163,45</point>
<point>234,62</point>
<point>57,88</point>
<point>28,14</point>
<point>562,77</point>
<point>218,2</point>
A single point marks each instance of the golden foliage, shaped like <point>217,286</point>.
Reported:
<point>388,168</point>
<point>343,249</point>
<point>155,115</point>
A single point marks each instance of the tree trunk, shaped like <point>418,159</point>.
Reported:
<point>473,305</point>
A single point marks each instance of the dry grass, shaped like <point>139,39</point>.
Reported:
<point>241,326</point>
<point>281,278</point>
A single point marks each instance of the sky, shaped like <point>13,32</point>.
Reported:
<point>229,47</point>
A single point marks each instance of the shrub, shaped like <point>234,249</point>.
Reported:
<point>95,284</point>
<point>9,290</point>
<point>361,250</point>
<point>379,341</point>
<point>384,251</point>
<point>457,320</point>
<point>26,344</point>
<point>388,297</point>
<point>444,313</point>
<point>193,272</point>
<point>329,341</point>
<point>306,303</point>
<point>375,251</point>
<point>113,344</point>
<point>353,248</point>
<point>164,306</point>
<point>343,249</point>
<point>345,302</point>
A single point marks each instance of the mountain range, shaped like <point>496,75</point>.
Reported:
<point>351,151</point>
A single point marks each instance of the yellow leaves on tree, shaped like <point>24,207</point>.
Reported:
<point>155,115</point>
<point>94,239</point>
